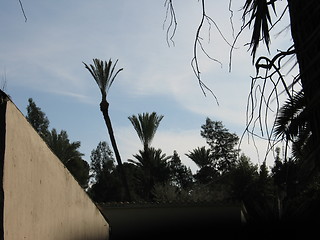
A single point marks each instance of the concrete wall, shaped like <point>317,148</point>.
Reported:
<point>42,200</point>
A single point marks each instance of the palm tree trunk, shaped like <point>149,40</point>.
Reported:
<point>104,107</point>
<point>305,30</point>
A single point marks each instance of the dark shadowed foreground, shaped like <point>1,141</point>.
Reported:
<point>195,221</point>
<point>152,221</point>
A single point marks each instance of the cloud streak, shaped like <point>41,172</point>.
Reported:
<point>46,53</point>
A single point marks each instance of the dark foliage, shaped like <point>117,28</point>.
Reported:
<point>37,118</point>
<point>222,144</point>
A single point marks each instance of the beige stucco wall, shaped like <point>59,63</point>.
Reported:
<point>41,198</point>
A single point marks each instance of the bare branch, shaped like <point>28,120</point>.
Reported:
<point>261,97</point>
<point>23,12</point>
<point>172,28</point>
<point>231,17</point>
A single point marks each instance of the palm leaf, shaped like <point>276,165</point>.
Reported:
<point>146,126</point>
<point>292,117</point>
<point>103,74</point>
<point>261,19</point>
<point>200,156</point>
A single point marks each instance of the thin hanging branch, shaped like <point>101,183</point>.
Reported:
<point>197,43</point>
<point>171,30</point>
<point>171,15</point>
<point>261,97</point>
<point>23,12</point>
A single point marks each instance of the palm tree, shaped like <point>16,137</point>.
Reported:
<point>104,74</point>
<point>146,126</point>
<point>204,160</point>
<point>151,162</point>
<point>153,167</point>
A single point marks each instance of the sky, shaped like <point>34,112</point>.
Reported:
<point>41,58</point>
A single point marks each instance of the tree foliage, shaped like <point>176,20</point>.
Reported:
<point>37,118</point>
<point>180,175</point>
<point>222,144</point>
<point>104,74</point>
<point>146,126</point>
<point>101,160</point>
<point>153,169</point>
<point>106,182</point>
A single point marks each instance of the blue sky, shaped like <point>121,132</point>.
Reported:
<point>42,58</point>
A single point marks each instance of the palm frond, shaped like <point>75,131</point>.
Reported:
<point>146,126</point>
<point>150,158</point>
<point>292,117</point>
<point>261,19</point>
<point>200,156</point>
<point>103,74</point>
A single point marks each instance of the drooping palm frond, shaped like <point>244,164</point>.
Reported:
<point>103,73</point>
<point>261,19</point>
<point>292,118</point>
<point>292,125</point>
<point>151,157</point>
<point>153,166</point>
<point>200,156</point>
<point>146,126</point>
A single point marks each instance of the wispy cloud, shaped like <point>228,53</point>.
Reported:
<point>46,53</point>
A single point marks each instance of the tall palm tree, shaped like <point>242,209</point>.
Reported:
<point>151,162</point>
<point>104,74</point>
<point>146,126</point>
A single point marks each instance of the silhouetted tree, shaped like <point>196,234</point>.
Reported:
<point>244,176</point>
<point>146,126</point>
<point>106,180</point>
<point>104,74</point>
<point>153,169</point>
<point>292,125</point>
<point>151,162</point>
<point>285,175</point>
<point>101,160</point>
<point>222,143</point>
<point>204,160</point>
<point>37,118</point>
<point>180,175</point>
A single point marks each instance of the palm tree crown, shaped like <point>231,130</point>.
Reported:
<point>103,74</point>
<point>200,156</point>
<point>146,126</point>
<point>292,125</point>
